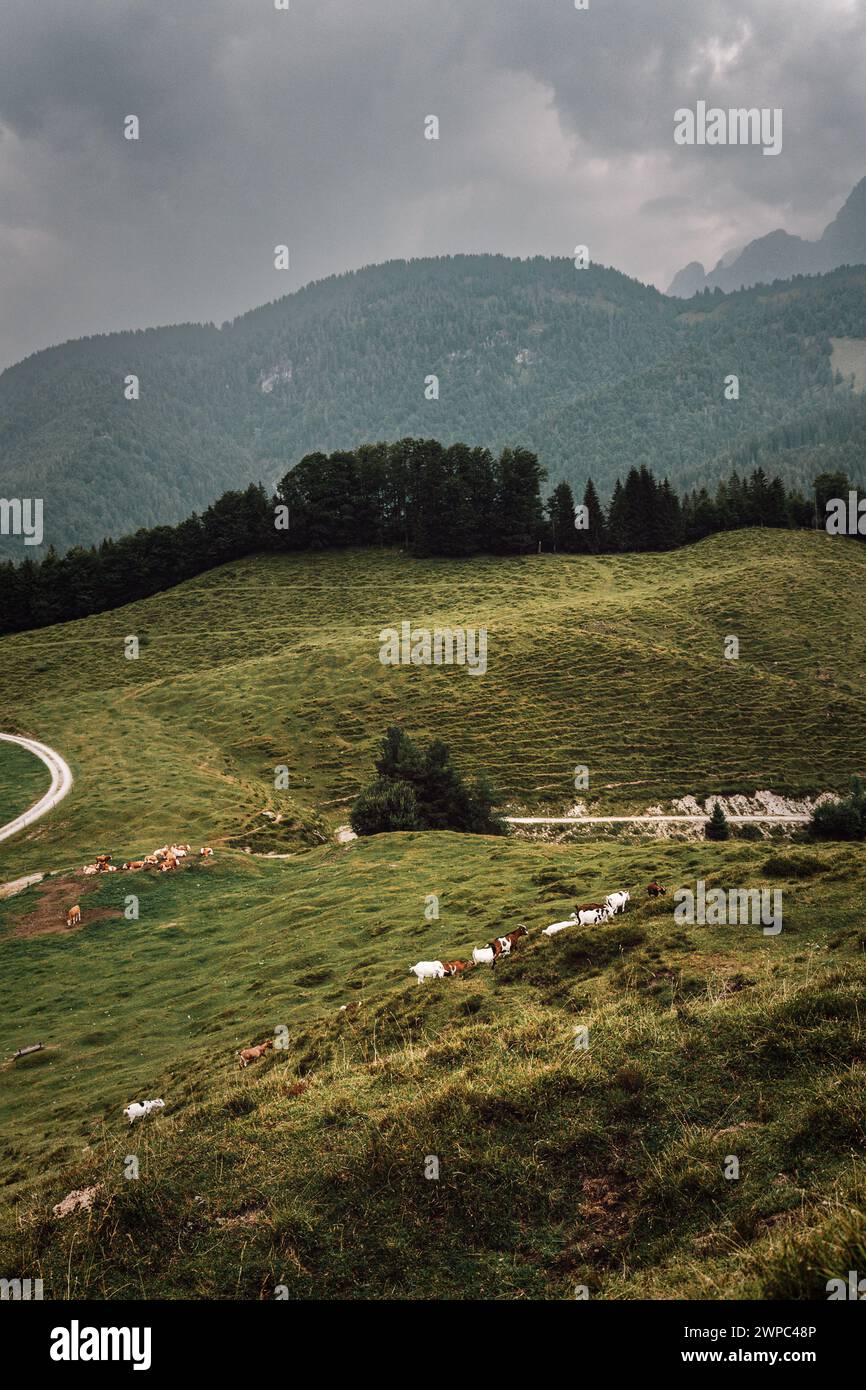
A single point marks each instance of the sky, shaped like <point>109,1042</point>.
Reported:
<point>305,127</point>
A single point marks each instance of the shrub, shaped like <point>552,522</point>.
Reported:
<point>383,806</point>
<point>839,820</point>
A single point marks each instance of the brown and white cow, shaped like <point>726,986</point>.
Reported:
<point>133,864</point>
<point>73,916</point>
<point>169,862</point>
<point>252,1054</point>
<point>205,851</point>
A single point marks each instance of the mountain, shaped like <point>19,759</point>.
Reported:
<point>591,369</point>
<point>779,256</point>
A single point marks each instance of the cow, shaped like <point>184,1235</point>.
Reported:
<point>102,862</point>
<point>89,869</point>
<point>133,864</point>
<point>142,1107</point>
<point>428,970</point>
<point>179,851</point>
<point>617,901</point>
<point>73,916</point>
<point>252,1054</point>
<point>205,852</point>
<point>455,967</point>
<point>655,890</point>
<point>169,862</point>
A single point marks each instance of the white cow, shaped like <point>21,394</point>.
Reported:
<point>428,970</point>
<point>617,901</point>
<point>559,926</point>
<point>143,1107</point>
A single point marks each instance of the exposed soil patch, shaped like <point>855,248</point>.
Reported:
<point>56,896</point>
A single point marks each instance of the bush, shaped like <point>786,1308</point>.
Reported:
<point>383,806</point>
<point>841,820</point>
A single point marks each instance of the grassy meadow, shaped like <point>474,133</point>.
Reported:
<point>23,779</point>
<point>307,1170</point>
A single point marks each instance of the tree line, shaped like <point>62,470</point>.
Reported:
<point>416,494</point>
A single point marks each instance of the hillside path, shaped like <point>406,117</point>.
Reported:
<point>651,820</point>
<point>61,783</point>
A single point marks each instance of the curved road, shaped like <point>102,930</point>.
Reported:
<point>61,783</point>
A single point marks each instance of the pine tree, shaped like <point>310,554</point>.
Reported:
<point>717,827</point>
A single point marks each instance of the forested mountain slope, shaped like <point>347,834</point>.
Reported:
<point>594,371</point>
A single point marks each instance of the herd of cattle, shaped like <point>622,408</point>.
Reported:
<point>166,858</point>
<point>585,915</point>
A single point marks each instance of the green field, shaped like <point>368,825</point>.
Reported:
<point>606,1166</point>
<point>23,779</point>
<point>615,663</point>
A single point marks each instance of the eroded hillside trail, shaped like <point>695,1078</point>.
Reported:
<point>61,783</point>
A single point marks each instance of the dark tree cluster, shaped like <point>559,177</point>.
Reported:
<point>420,495</point>
<point>419,788</point>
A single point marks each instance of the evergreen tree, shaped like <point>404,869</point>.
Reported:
<point>717,827</point>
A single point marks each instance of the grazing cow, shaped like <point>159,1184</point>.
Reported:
<point>252,1054</point>
<point>455,967</point>
<point>142,1107</point>
<point>655,890</point>
<point>560,926</point>
<point>617,901</point>
<point>428,970</point>
<point>73,916</point>
<point>205,851</point>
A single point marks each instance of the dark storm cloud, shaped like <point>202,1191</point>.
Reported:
<point>305,127</point>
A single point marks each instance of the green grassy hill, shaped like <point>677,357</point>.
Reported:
<point>556,1167</point>
<point>23,779</point>
<point>612,662</point>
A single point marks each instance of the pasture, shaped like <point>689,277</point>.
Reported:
<point>613,662</point>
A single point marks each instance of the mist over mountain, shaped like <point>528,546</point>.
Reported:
<point>593,370</point>
<point>778,255</point>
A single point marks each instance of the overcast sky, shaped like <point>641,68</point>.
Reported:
<point>306,127</point>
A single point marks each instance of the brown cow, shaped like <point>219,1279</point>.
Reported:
<point>252,1054</point>
<point>169,862</point>
<point>134,864</point>
<point>655,890</point>
<point>73,916</point>
<point>205,851</point>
